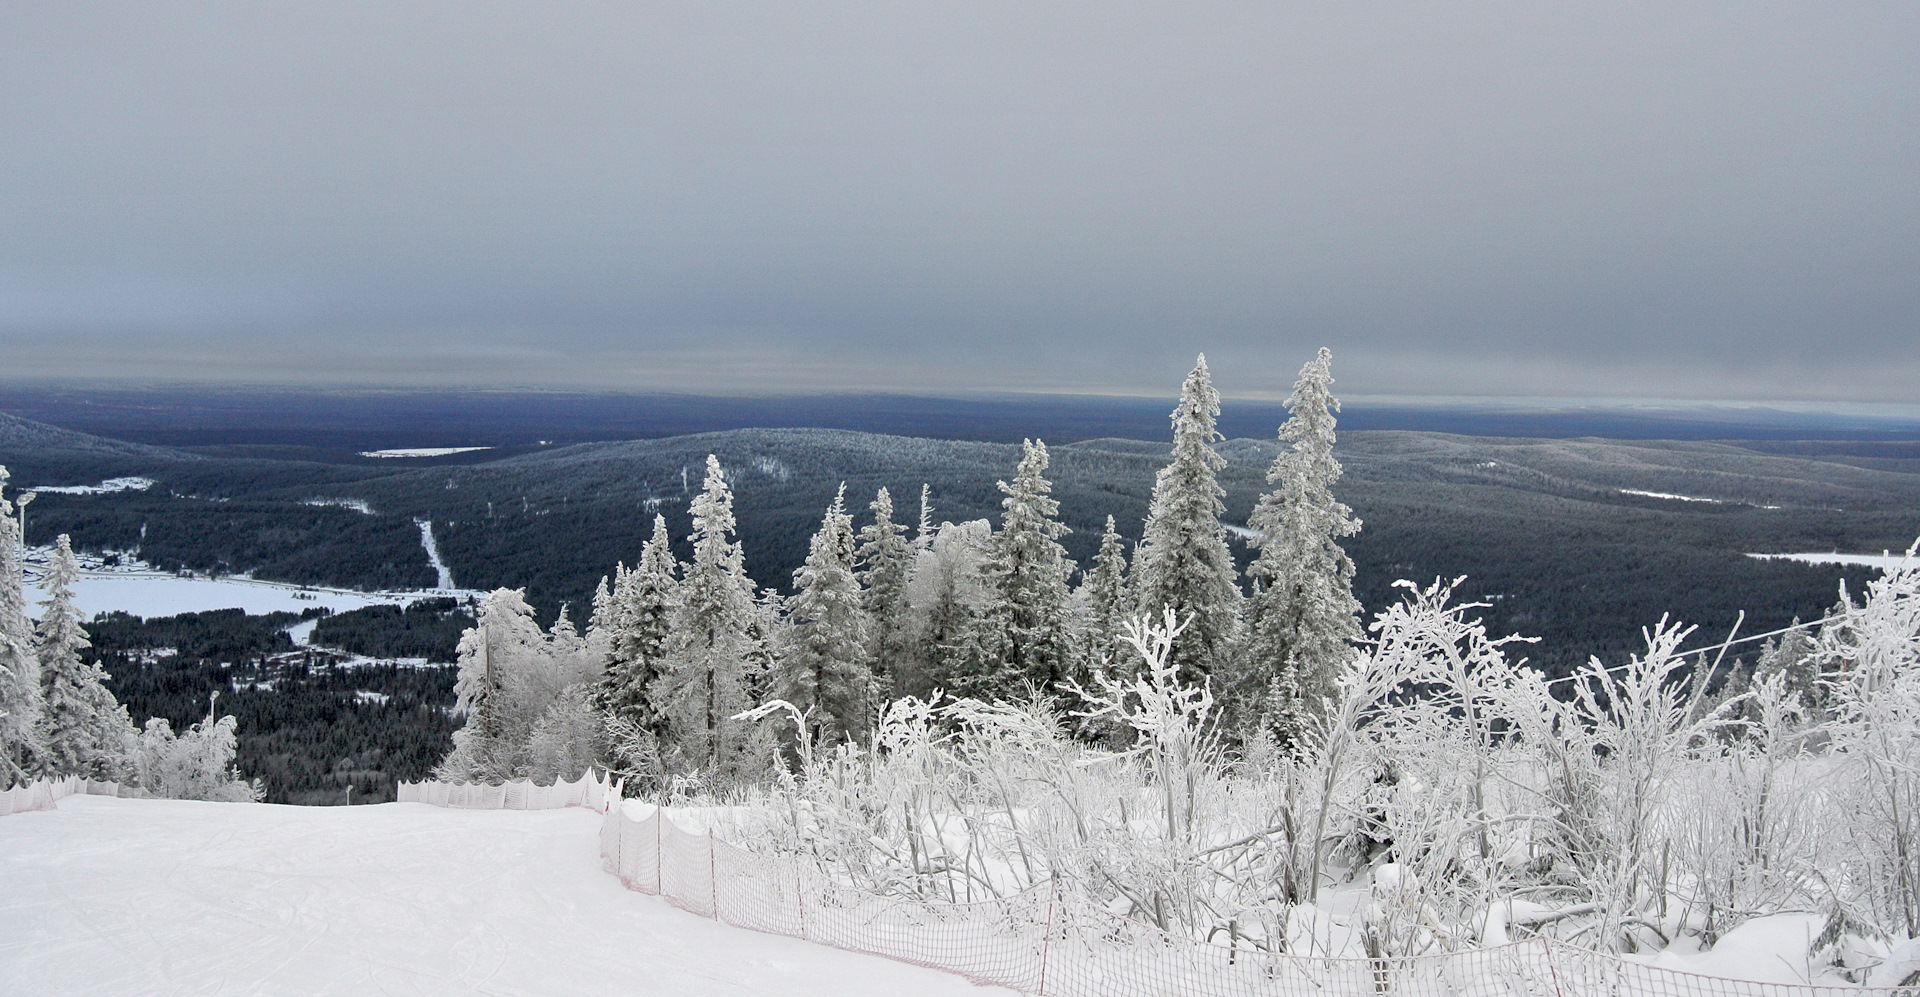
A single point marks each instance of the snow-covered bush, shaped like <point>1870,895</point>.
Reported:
<point>1872,658</point>
<point>196,764</point>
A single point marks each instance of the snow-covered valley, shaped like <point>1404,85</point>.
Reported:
<point>173,897</point>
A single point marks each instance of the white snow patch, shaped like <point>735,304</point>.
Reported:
<point>357,505</point>
<point>1771,949</point>
<point>421,451</point>
<point>1885,560</point>
<point>301,633</point>
<point>172,897</point>
<point>1670,496</point>
<point>444,573</point>
<point>369,696</point>
<point>106,487</point>
<point>158,594</point>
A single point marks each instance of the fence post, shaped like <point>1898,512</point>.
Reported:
<point>799,898</point>
<point>1546,944</point>
<point>659,863</point>
<point>1046,933</point>
<point>713,875</point>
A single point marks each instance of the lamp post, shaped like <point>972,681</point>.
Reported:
<point>21,503</point>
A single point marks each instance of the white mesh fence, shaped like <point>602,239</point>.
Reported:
<point>43,794</point>
<point>594,793</point>
<point>1039,943</point>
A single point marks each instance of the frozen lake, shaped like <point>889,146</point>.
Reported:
<point>154,594</point>
<point>1884,560</point>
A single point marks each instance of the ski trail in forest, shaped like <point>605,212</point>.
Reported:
<point>433,553</point>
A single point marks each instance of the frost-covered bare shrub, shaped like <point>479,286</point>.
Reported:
<point>1447,796</point>
<point>1872,660</point>
<point>1745,833</point>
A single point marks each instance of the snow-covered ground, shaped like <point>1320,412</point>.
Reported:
<point>422,451</point>
<point>162,897</point>
<point>357,505</point>
<point>442,573</point>
<point>129,585</point>
<point>1672,497</point>
<point>157,594</point>
<point>107,487</point>
<point>1883,560</point>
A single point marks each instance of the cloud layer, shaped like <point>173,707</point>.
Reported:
<point>1648,199</point>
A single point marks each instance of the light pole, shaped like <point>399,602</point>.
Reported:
<point>21,503</point>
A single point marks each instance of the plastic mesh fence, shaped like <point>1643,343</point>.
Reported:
<point>1037,943</point>
<point>43,794</point>
<point>588,791</point>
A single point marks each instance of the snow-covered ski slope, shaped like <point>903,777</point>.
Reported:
<point>111,896</point>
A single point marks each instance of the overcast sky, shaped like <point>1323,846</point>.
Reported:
<point>1674,200</point>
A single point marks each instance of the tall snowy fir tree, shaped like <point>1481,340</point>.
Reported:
<point>883,559</point>
<point>924,533</point>
<point>1021,637</point>
<point>1183,562</point>
<point>21,702</point>
<point>1103,598</point>
<point>825,668</point>
<point>713,640</point>
<point>639,626</point>
<point>499,687</point>
<point>1304,617</point>
<point>87,733</point>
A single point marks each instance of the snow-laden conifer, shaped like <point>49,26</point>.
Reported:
<point>705,679</point>
<point>87,733</point>
<point>1183,563</point>
<point>1103,598</point>
<point>825,671</point>
<point>21,703</point>
<point>944,594</point>
<point>1021,638</point>
<point>1304,618</point>
<point>884,557</point>
<point>923,535</point>
<point>640,631</point>
<point>505,682</point>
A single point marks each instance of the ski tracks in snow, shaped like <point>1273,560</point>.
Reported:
<point>173,897</point>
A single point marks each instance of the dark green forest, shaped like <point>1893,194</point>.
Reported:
<point>1547,532</point>
<point>310,725</point>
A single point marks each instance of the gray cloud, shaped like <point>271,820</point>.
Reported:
<point>1649,199</point>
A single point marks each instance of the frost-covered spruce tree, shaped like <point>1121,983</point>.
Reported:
<point>705,680</point>
<point>884,557</point>
<point>502,687</point>
<point>640,624</point>
<point>1304,618</point>
<point>1183,563</point>
<point>87,733</point>
<point>944,594</point>
<point>21,703</point>
<point>1021,637</point>
<point>924,533</point>
<point>1103,598</point>
<point>825,669</point>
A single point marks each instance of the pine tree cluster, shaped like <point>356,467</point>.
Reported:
<point>676,653</point>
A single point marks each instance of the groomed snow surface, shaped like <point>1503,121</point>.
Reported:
<point>109,896</point>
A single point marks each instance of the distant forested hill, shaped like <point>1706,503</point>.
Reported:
<point>1547,530</point>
